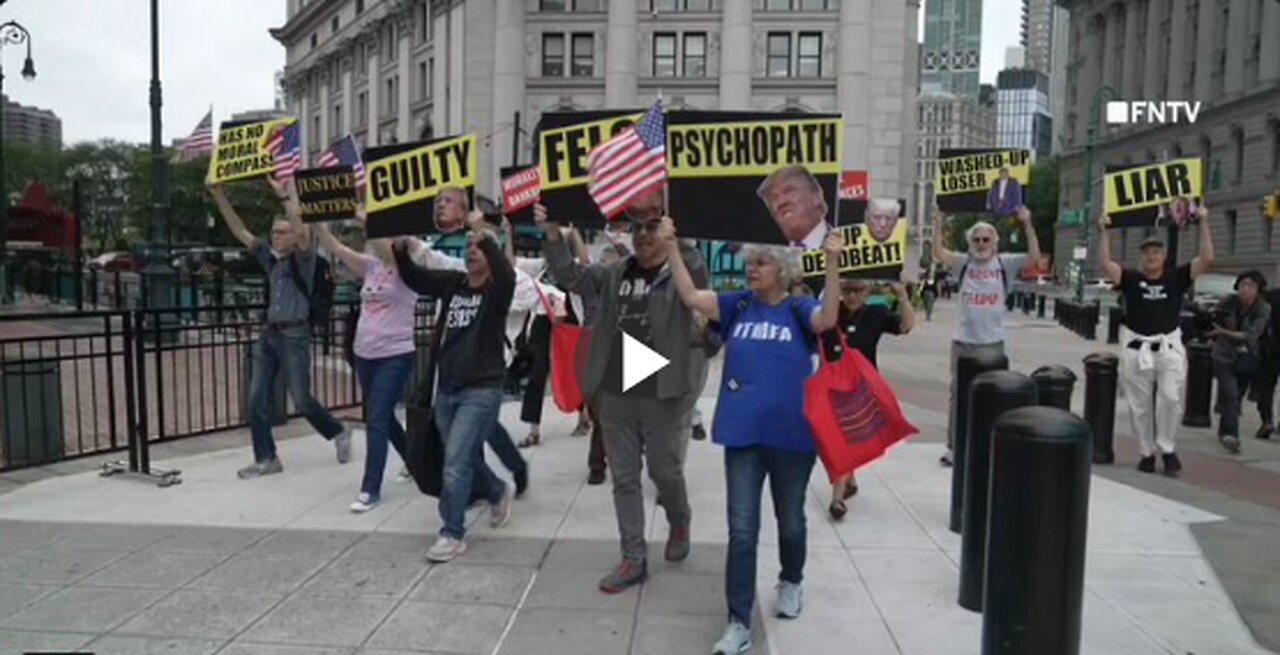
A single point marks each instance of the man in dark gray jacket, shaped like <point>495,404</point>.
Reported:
<point>651,418</point>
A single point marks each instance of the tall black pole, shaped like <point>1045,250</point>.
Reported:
<point>10,33</point>
<point>77,246</point>
<point>158,272</point>
<point>515,141</point>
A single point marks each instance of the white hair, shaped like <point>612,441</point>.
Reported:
<point>787,259</point>
<point>982,225</point>
<point>884,206</point>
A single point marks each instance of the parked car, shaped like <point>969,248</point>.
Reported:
<point>115,261</point>
<point>1209,290</point>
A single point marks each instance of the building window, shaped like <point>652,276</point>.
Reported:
<point>315,129</point>
<point>802,5</point>
<point>359,7</point>
<point>587,5</point>
<point>553,5</point>
<point>335,130</point>
<point>362,107</point>
<point>335,24</point>
<point>315,40</point>
<point>424,22</point>
<point>1273,128</point>
<point>809,58</point>
<point>695,54</point>
<point>424,81</point>
<point>392,97</point>
<point>584,48</point>
<point>553,55</point>
<point>682,5</point>
<point>1231,231</point>
<point>664,55</point>
<point>777,5</point>
<point>1237,154</point>
<point>1206,156</point>
<point>391,42</point>
<point>779,57</point>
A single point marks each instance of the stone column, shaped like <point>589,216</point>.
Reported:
<point>853,81</point>
<point>1130,79</point>
<point>508,78</point>
<point>1237,39</point>
<point>735,55</point>
<point>326,104</point>
<point>348,104</point>
<point>1152,58</point>
<point>620,55</point>
<point>1205,46</point>
<point>375,91</point>
<point>1177,51</point>
<point>1110,43</point>
<point>1269,63</point>
<point>304,138</point>
<point>404,87</point>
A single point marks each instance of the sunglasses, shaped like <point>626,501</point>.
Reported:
<point>980,240</point>
<point>651,227</point>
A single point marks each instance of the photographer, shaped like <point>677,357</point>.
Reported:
<point>1239,323</point>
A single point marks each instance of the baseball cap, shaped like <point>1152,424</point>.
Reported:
<point>1151,241</point>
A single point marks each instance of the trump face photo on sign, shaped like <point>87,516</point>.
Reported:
<point>796,203</point>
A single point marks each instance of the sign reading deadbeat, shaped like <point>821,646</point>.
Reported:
<point>718,164</point>
<point>564,141</point>
<point>875,245</point>
<point>971,180</point>
<point>326,194</point>
<point>241,153</point>
<point>1139,196</point>
<point>403,180</point>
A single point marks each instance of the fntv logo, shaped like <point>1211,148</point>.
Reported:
<point>1123,112</point>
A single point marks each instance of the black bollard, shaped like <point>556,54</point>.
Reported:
<point>1055,385</point>
<point>1100,378</point>
<point>1091,321</point>
<point>1039,516</point>
<point>968,367</point>
<point>1199,385</point>
<point>993,393</point>
<point>1010,301</point>
<point>1040,307</point>
<point>1115,318</point>
<point>1028,301</point>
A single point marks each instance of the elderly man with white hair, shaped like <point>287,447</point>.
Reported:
<point>882,218</point>
<point>984,276</point>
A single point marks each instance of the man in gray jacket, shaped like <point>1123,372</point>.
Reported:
<point>650,419</point>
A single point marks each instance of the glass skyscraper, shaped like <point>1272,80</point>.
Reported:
<point>952,45</point>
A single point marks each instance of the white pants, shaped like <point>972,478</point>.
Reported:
<point>1167,376</point>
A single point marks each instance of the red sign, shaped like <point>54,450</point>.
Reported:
<point>853,185</point>
<point>521,190</point>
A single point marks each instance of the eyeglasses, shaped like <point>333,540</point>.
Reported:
<point>651,227</point>
<point>980,240</point>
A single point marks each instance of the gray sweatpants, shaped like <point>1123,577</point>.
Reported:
<point>959,350</point>
<point>658,431</point>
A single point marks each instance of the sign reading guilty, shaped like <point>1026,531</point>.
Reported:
<point>1143,195</point>
<point>404,179</point>
<point>326,194</point>
<point>564,141</point>
<point>755,177</point>
<point>981,179</point>
<point>241,150</point>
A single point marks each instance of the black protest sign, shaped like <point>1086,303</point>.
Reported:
<point>564,140</point>
<point>753,176</point>
<point>982,180</point>
<point>326,194</point>
<point>1143,196</point>
<point>404,179</point>
<point>875,243</point>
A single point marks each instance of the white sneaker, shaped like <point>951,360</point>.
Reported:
<point>500,512</point>
<point>445,549</point>
<point>342,445</point>
<point>364,502</point>
<point>735,640</point>
<point>404,475</point>
<point>788,602</point>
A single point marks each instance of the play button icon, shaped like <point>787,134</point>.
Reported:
<point>638,362</point>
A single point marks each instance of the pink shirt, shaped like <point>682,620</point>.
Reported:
<point>387,307</point>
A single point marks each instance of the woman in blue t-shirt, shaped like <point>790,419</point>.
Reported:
<point>769,338</point>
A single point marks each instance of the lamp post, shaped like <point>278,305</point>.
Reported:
<point>158,272</point>
<point>11,33</point>
<point>1103,94</point>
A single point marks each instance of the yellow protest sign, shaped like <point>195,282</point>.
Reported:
<point>241,150</point>
<point>416,174</point>
<point>563,150</point>
<point>1134,195</point>
<point>753,148</point>
<point>863,253</point>
<point>971,180</point>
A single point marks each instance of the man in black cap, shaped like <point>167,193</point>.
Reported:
<point>1154,361</point>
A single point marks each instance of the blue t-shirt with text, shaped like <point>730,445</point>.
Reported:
<point>767,358</point>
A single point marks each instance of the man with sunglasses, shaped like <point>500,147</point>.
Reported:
<point>648,423</point>
<point>983,274</point>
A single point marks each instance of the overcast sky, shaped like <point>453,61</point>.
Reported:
<point>93,60</point>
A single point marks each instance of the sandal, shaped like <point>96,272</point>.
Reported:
<point>582,430</point>
<point>532,440</point>
<point>837,509</point>
<point>850,489</point>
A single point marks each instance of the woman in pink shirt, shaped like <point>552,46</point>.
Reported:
<point>383,353</point>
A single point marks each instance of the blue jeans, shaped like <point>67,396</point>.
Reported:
<point>289,350</point>
<point>382,381</point>
<point>744,471</point>
<point>465,418</point>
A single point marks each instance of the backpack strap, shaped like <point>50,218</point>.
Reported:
<point>804,323</point>
<point>296,272</point>
<point>1004,273</point>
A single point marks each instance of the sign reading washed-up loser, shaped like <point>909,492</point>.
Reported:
<point>1147,195</point>
<point>564,141</point>
<point>241,150</point>
<point>754,177</point>
<point>981,180</point>
<point>875,245</point>
<point>326,194</point>
<point>404,179</point>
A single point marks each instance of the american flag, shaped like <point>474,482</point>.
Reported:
<point>286,149</point>
<point>344,153</point>
<point>200,143</point>
<point>629,165</point>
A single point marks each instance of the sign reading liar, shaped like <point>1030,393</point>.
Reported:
<point>326,194</point>
<point>521,190</point>
<point>1142,195</point>
<point>241,151</point>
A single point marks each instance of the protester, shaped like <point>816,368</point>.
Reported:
<point>472,370</point>
<point>383,348</point>
<point>983,276</point>
<point>797,205</point>
<point>929,293</point>
<point>539,344</point>
<point>759,415</point>
<point>1241,320</point>
<point>1153,353</point>
<point>1264,387</point>
<point>597,461</point>
<point>652,419</point>
<point>284,346</point>
<point>863,325</point>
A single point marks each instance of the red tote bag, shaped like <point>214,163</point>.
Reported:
<point>564,342</point>
<point>852,413</point>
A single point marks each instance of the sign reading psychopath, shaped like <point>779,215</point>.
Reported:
<point>756,177</point>
<point>982,180</point>
<point>241,150</point>
<point>404,179</point>
<point>564,141</point>
<point>876,243</point>
<point>326,194</point>
<point>1143,195</point>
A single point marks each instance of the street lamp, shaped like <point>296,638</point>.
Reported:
<point>11,33</point>
<point>1103,94</point>
<point>158,273</point>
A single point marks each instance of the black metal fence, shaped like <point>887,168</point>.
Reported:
<point>83,383</point>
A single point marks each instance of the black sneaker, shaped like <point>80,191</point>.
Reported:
<point>1230,442</point>
<point>1264,432</point>
<point>595,477</point>
<point>1147,464</point>
<point>699,433</point>
<point>521,478</point>
<point>1171,463</point>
